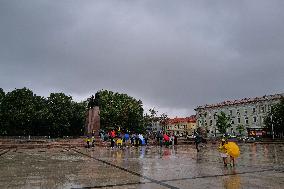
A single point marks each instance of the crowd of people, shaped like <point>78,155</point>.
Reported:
<point>120,139</point>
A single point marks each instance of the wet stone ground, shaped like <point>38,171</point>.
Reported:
<point>259,166</point>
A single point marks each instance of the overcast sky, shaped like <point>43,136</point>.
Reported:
<point>173,55</point>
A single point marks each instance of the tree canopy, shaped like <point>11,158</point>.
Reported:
<point>120,110</point>
<point>276,118</point>
<point>223,123</point>
<point>240,128</point>
<point>24,113</point>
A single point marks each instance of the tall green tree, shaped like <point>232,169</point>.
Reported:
<point>77,120</point>
<point>153,116</point>
<point>276,118</point>
<point>120,110</point>
<point>223,123</point>
<point>2,95</point>
<point>24,113</point>
<point>240,128</point>
<point>20,110</point>
<point>59,113</point>
<point>164,120</point>
<point>2,123</point>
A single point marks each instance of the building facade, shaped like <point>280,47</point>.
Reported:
<point>248,113</point>
<point>181,126</point>
<point>156,126</point>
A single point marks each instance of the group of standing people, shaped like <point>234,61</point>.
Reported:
<point>166,139</point>
<point>120,139</point>
<point>228,150</point>
<point>90,140</point>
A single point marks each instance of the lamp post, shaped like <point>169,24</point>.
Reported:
<point>272,129</point>
<point>215,129</point>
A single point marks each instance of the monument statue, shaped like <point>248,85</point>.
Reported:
<point>91,103</point>
<point>93,116</point>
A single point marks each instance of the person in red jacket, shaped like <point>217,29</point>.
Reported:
<point>112,136</point>
<point>166,139</point>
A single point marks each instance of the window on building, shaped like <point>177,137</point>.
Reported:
<point>246,120</point>
<point>238,112</point>
<point>253,110</point>
<point>246,111</point>
<point>232,122</point>
<point>262,109</point>
<point>239,120</point>
<point>211,122</point>
<point>254,119</point>
<point>215,114</point>
<point>231,112</point>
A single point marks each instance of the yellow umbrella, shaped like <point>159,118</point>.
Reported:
<point>232,149</point>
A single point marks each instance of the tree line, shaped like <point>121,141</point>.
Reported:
<point>24,113</point>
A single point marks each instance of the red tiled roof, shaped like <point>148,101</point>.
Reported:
<point>190,119</point>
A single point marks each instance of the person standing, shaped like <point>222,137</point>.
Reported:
<point>223,151</point>
<point>175,140</point>
<point>197,141</point>
<point>126,138</point>
<point>112,138</point>
<point>146,139</point>
<point>160,138</point>
<point>172,139</point>
<point>93,138</point>
<point>137,140</point>
<point>166,139</point>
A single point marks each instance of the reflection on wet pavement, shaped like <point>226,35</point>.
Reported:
<point>259,166</point>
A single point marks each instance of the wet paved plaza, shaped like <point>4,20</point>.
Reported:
<point>259,166</point>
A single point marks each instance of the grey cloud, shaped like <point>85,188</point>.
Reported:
<point>171,54</point>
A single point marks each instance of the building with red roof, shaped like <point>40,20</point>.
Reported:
<point>181,125</point>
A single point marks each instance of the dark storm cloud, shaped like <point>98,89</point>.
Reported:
<point>173,55</point>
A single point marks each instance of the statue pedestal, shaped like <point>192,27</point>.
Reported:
<point>93,121</point>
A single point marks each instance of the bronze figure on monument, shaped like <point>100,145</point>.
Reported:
<point>93,116</point>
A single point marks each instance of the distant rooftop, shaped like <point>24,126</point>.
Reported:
<point>242,101</point>
<point>190,119</point>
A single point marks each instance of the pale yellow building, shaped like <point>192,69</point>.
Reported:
<point>181,126</point>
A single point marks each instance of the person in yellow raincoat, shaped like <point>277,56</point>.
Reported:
<point>119,142</point>
<point>232,150</point>
<point>88,141</point>
<point>229,149</point>
<point>223,151</point>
